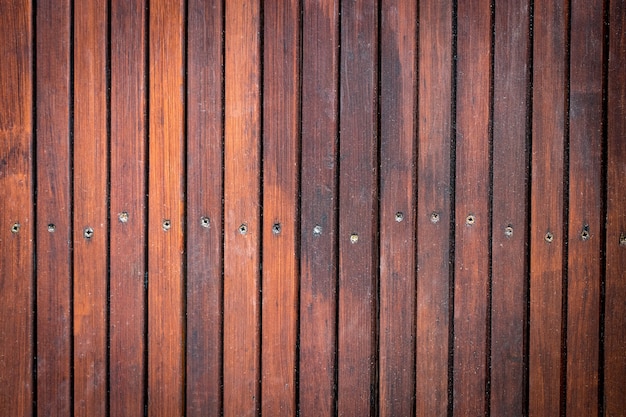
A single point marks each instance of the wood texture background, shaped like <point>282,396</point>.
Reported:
<point>315,208</point>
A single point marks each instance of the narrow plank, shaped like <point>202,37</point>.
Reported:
<point>471,280</point>
<point>280,209</point>
<point>358,217</point>
<point>433,208</point>
<point>318,266</point>
<point>54,208</point>
<point>242,228</point>
<point>128,206</point>
<point>16,209</point>
<point>509,215</point>
<point>204,208</point>
<point>546,213</point>
<point>585,208</point>
<point>166,210</point>
<point>615,326</point>
<point>397,207</point>
<point>90,208</point>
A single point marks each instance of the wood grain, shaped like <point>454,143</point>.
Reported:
<point>54,208</point>
<point>16,209</point>
<point>204,207</point>
<point>434,188</point>
<point>509,212</point>
<point>166,210</point>
<point>127,300</point>
<point>615,287</point>
<point>242,222</point>
<point>318,265</point>
<point>398,81</point>
<point>546,212</point>
<point>280,209</point>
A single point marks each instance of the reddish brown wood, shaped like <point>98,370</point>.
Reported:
<point>546,234</point>
<point>433,208</point>
<point>128,205</point>
<point>318,266</point>
<point>471,280</point>
<point>90,208</point>
<point>242,228</point>
<point>280,210</point>
<point>615,309</point>
<point>357,339</point>
<point>54,205</point>
<point>16,209</point>
<point>509,215</point>
<point>204,208</point>
<point>166,210</point>
<point>585,208</point>
<point>397,207</point>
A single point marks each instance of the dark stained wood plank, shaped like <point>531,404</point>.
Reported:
<point>358,254</point>
<point>318,266</point>
<point>433,208</point>
<point>16,208</point>
<point>242,228</point>
<point>397,207</point>
<point>90,208</point>
<point>54,208</point>
<point>615,309</point>
<point>280,208</point>
<point>585,208</point>
<point>128,207</point>
<point>546,213</point>
<point>204,208</point>
<point>166,210</point>
<point>471,280</point>
<point>510,217</point>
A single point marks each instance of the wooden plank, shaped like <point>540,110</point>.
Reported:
<point>585,208</point>
<point>358,252</point>
<point>472,228</point>
<point>546,213</point>
<point>16,209</point>
<point>318,266</point>
<point>128,208</point>
<point>54,208</point>
<point>615,287</point>
<point>280,206</point>
<point>90,208</point>
<point>166,210</point>
<point>242,228</point>
<point>397,207</point>
<point>204,207</point>
<point>509,215</point>
<point>433,208</point>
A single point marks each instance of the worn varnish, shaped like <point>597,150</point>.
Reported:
<point>322,208</point>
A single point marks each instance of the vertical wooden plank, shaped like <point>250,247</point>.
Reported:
<point>204,202</point>
<point>472,224</point>
<point>397,225</point>
<point>166,210</point>
<point>54,208</point>
<point>280,211</point>
<point>585,208</point>
<point>318,266</point>
<point>127,213</point>
<point>546,213</point>
<point>510,217</point>
<point>16,208</point>
<point>358,224</point>
<point>242,228</point>
<point>90,208</point>
<point>433,208</point>
<point>615,309</point>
